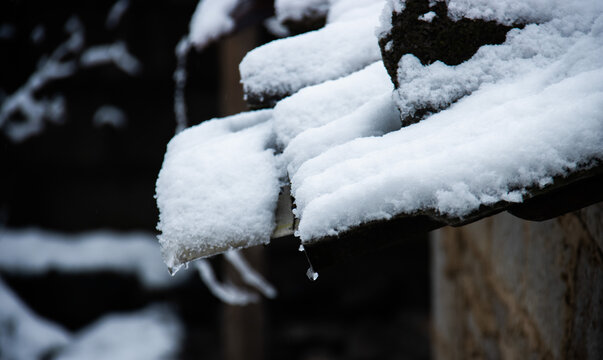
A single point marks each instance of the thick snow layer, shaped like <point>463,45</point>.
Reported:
<point>153,333</point>
<point>297,10</point>
<point>522,11</point>
<point>318,105</point>
<point>218,187</point>
<point>438,85</point>
<point>376,117</point>
<point>23,334</point>
<point>486,148</point>
<point>343,10</point>
<point>34,251</point>
<point>284,66</point>
<point>511,119</point>
<point>211,20</point>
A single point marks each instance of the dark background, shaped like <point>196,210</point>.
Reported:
<point>76,177</point>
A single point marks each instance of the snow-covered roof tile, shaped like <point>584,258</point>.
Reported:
<point>516,117</point>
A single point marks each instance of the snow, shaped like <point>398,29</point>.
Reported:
<point>226,292</point>
<point>218,187</point>
<point>298,10</point>
<point>523,11</point>
<point>116,12</point>
<point>116,53</point>
<point>23,113</point>
<point>345,10</point>
<point>509,130</point>
<point>111,116</point>
<point>35,111</point>
<point>248,275</point>
<point>211,20</point>
<point>23,334</point>
<point>180,74</point>
<point>486,148</point>
<point>275,28</point>
<point>509,120</point>
<point>229,293</point>
<point>34,251</point>
<point>427,17</point>
<point>320,104</point>
<point>377,117</point>
<point>271,70</point>
<point>153,333</point>
<point>38,34</point>
<point>438,85</point>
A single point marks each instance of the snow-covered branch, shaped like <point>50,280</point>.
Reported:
<point>229,293</point>
<point>23,113</point>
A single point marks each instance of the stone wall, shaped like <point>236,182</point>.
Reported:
<point>513,289</point>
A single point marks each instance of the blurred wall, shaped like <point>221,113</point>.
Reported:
<point>513,289</point>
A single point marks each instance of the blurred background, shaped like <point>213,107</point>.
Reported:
<point>86,111</point>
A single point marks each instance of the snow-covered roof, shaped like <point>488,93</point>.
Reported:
<point>510,121</point>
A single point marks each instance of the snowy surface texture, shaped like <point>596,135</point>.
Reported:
<point>534,112</point>
<point>35,251</point>
<point>300,9</point>
<point>510,119</point>
<point>321,104</point>
<point>342,10</point>
<point>23,334</point>
<point>211,20</point>
<point>284,66</point>
<point>218,187</point>
<point>151,334</point>
<point>375,118</point>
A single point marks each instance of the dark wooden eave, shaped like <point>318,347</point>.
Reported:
<point>564,195</point>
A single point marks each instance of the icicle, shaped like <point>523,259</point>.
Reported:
<point>228,293</point>
<point>311,274</point>
<point>249,275</point>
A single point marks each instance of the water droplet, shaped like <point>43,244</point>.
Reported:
<point>301,247</point>
<point>311,274</point>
